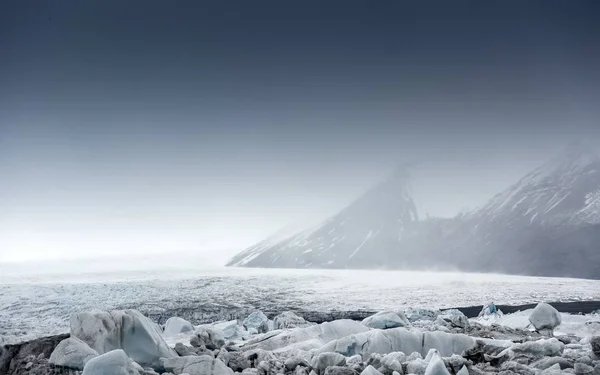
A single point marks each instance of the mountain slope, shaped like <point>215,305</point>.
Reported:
<point>546,224</point>
<point>368,233</point>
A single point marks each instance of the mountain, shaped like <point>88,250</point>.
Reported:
<point>546,224</point>
<point>370,232</point>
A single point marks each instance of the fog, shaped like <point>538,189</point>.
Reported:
<point>150,129</point>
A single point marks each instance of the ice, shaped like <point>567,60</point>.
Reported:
<point>258,321</point>
<point>399,340</point>
<point>72,353</point>
<point>32,306</point>
<point>436,366</point>
<point>576,325</point>
<point>544,347</point>
<point>288,319</point>
<point>545,316</point>
<point>229,329</point>
<point>114,362</point>
<point>324,360</point>
<point>176,325</point>
<point>320,334</point>
<point>196,365</point>
<point>385,319</point>
<point>129,330</point>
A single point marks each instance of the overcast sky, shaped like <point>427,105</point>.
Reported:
<point>151,126</point>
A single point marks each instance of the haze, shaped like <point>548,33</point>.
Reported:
<point>150,126</point>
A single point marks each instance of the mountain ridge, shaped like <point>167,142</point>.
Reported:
<point>528,228</point>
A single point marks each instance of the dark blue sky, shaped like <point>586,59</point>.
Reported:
<point>156,125</point>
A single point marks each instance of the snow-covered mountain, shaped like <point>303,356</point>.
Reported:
<point>368,233</point>
<point>548,223</point>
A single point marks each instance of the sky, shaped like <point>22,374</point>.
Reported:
<point>147,127</point>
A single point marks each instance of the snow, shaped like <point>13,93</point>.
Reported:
<point>33,304</point>
<point>361,244</point>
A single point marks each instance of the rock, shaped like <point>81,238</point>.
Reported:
<point>370,370</point>
<point>258,321</point>
<point>545,317</point>
<point>416,314</point>
<point>11,356</point>
<point>288,319</point>
<point>293,362</point>
<point>583,369</point>
<point>324,360</point>
<point>517,368</point>
<point>436,366</point>
<point>229,329</point>
<point>354,360</point>
<point>138,336</point>
<point>340,370</point>
<point>456,362</point>
<point>238,362</point>
<point>385,319</point>
<point>183,350</point>
<point>463,371</point>
<point>417,366</point>
<point>595,343</point>
<point>210,337</point>
<point>545,347</point>
<point>72,353</point>
<point>176,325</point>
<point>552,370</point>
<point>114,362</point>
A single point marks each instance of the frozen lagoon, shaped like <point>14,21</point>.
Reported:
<point>34,304</point>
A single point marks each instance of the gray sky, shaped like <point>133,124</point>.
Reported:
<point>145,126</point>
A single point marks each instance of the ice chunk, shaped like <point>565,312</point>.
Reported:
<point>324,360</point>
<point>322,333</point>
<point>114,362</point>
<point>289,320</point>
<point>386,319</point>
<point>195,365</point>
<point>545,317</point>
<point>72,353</point>
<point>370,370</point>
<point>177,325</point>
<point>545,347</point>
<point>258,321</point>
<point>416,314</point>
<point>138,336</point>
<point>210,337</point>
<point>436,366</point>
<point>399,340</point>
